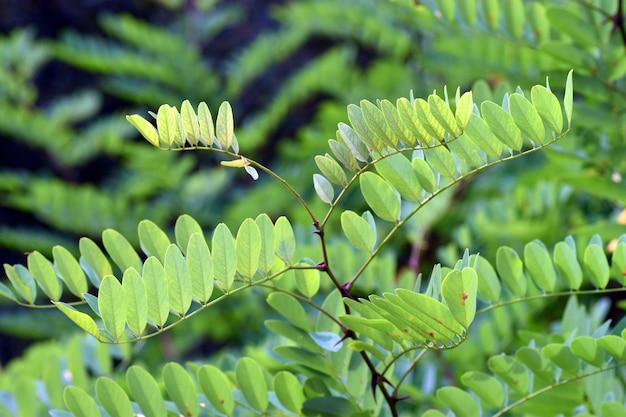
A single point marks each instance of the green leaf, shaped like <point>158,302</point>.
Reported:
<point>539,264</point>
<point>200,267</point>
<point>618,263</point>
<point>178,280</point>
<point>365,135</point>
<point>467,151</point>
<point>307,280</point>
<point>424,174</point>
<point>357,230</point>
<point>289,308</point>
<point>343,155</point>
<point>479,132</point>
<point>428,121</point>
<point>564,20</point>
<point>488,282</point>
<point>538,364</point>
<point>285,240</point>
<point>23,282</point>
<point>145,392</point>
<point>442,113</point>
<point>446,7</point>
<point>329,407</point>
<point>167,126</point>
<point>459,290</point>
<point>488,388</point>
<point>120,250</point>
<point>323,188</point>
<point>251,382</point>
<point>185,227</point>
<point>468,10</point>
<point>511,371</point>
<point>511,270</point>
<point>502,125</point>
<point>217,388</point>
<point>136,301</point>
<point>248,248</point>
<point>464,108</point>
<point>113,398</point>
<point>190,122</point>
<point>331,169</point>
<point>562,357</point>
<point>375,120</point>
<point>70,271</point>
<point>526,118</point>
<point>514,17</point>
<point>613,345</point>
<point>360,346</point>
<point>460,402</point>
<point>79,402</point>
<point>597,266</point>
<point>44,275</point>
<point>408,116</point>
<point>567,265</point>
<point>398,171</point>
<point>356,147</point>
<point>538,20</point>
<point>154,241</point>
<point>491,9</point>
<point>205,120</point>
<point>440,159</point>
<point>380,196</point>
<point>585,347</point>
<point>398,131</point>
<point>266,228</point>
<point>181,389</point>
<point>548,107</point>
<point>6,292</point>
<point>156,289</point>
<point>224,125</point>
<point>111,304</point>
<point>568,100</point>
<point>92,259</point>
<point>305,357</point>
<point>224,257</point>
<point>82,320</point>
<point>289,391</point>
<point>147,130</point>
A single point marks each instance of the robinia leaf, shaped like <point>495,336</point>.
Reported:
<point>380,196</point>
<point>251,382</point>
<point>358,230</point>
<point>145,392</point>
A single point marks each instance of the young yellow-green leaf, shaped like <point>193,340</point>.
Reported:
<point>120,250</point>
<point>289,391</point>
<point>113,398</point>
<point>539,264</point>
<point>568,100</point>
<point>93,260</point>
<point>205,120</point>
<point>428,121</point>
<point>43,272</point>
<point>6,292</point>
<point>489,389</point>
<point>79,403</point>
<point>375,121</point>
<point>153,276</point>
<point>357,230</point>
<point>82,320</point>
<point>179,135</point>
<point>217,388</point>
<point>586,348</point>
<point>397,170</point>
<point>224,257</point>
<point>539,23</point>
<point>526,118</point>
<point>442,113</point>
<point>266,227</point>
<point>446,7</point>
<point>468,10</point>
<point>597,266</point>
<point>136,300</point>
<point>112,306</point>
<point>285,240</point>
<point>178,280</point>
<point>224,125</point>
<point>567,265</point>
<point>536,362</point>
<point>514,17</point>
<point>185,227</point>
<point>323,188</point>
<point>459,290</point>
<point>290,308</point>
<point>613,345</point>
<point>343,155</point>
<point>181,389</point>
<point>364,133</point>
<point>548,107</point>
<point>478,131</point>
<point>467,152</point>
<point>349,137</point>
<point>441,160</point>
<point>307,280</point>
<point>331,169</point>
<point>190,123</point>
<point>398,130</point>
<point>491,10</point>
<point>248,248</point>
<point>464,108</point>
<point>511,371</point>
<point>251,382</point>
<point>167,126</point>
<point>502,125</point>
<point>562,357</point>
<point>424,174</point>
<point>23,282</point>
<point>488,282</point>
<point>618,263</point>
<point>70,271</point>
<point>145,128</point>
<point>200,267</point>
<point>154,241</point>
<point>511,270</point>
<point>460,402</point>
<point>408,116</point>
<point>145,392</point>
<point>380,196</point>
